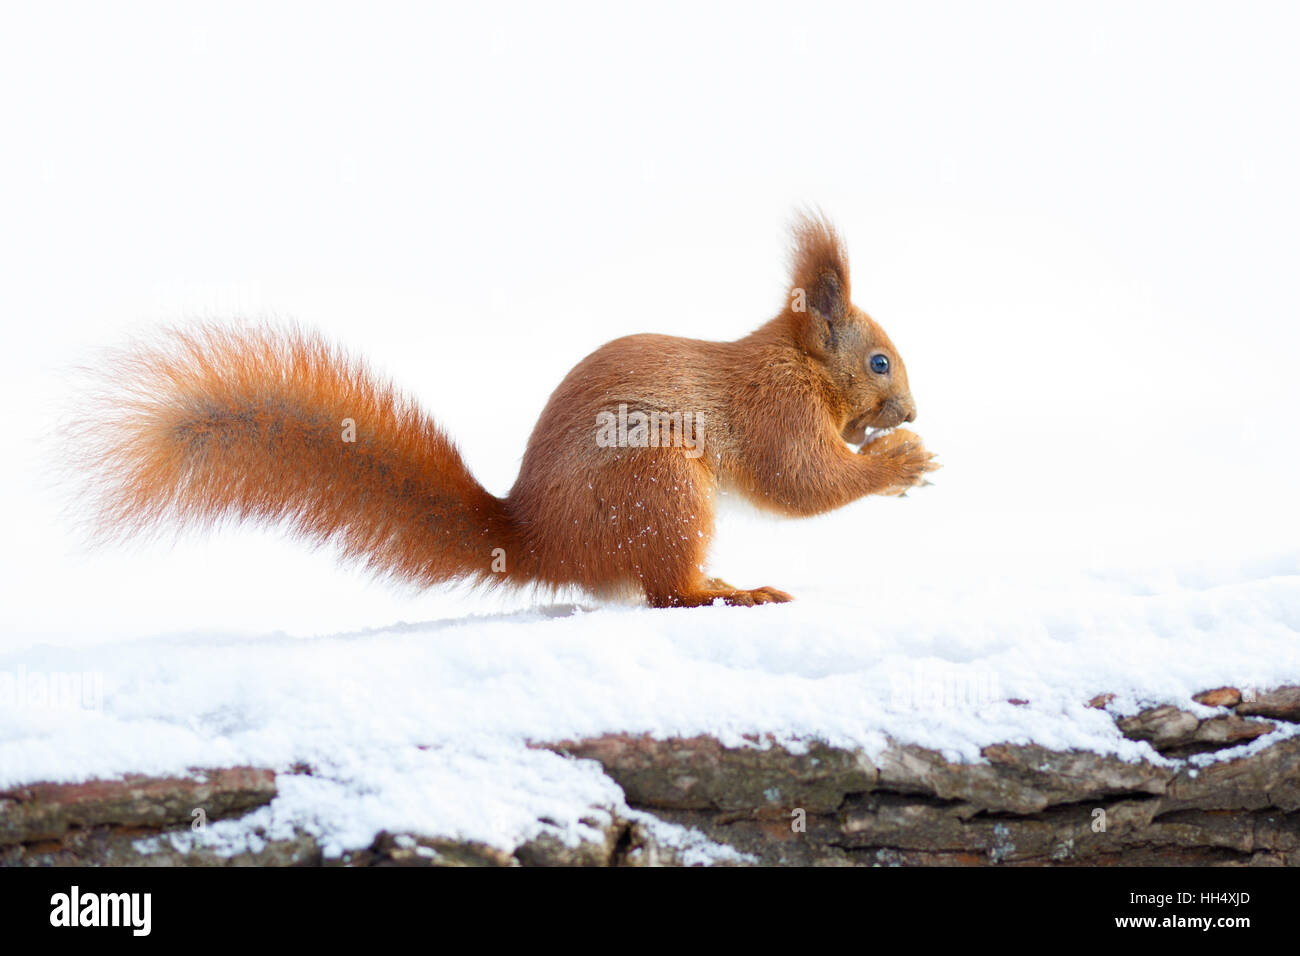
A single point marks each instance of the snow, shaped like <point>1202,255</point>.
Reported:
<point>426,727</point>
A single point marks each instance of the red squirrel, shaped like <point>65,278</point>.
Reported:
<point>618,483</point>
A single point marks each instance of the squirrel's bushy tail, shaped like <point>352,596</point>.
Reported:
<point>277,426</point>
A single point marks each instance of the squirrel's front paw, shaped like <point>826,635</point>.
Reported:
<point>903,461</point>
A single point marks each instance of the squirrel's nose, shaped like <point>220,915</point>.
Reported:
<point>911,416</point>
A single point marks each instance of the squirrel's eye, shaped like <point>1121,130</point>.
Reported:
<point>879,364</point>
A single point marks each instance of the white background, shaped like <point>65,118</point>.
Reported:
<point>1078,223</point>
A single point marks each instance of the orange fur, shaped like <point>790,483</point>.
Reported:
<point>215,424</point>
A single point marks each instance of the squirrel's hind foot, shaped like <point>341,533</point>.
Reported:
<point>715,589</point>
<point>743,598</point>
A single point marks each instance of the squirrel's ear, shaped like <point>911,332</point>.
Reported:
<point>819,278</point>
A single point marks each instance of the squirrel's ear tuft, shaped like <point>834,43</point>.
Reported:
<point>819,269</point>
